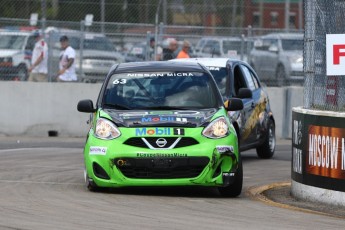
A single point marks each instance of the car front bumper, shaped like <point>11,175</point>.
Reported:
<point>119,165</point>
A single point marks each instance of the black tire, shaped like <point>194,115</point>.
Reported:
<point>266,150</point>
<point>280,75</point>
<point>22,73</point>
<point>234,189</point>
<point>90,185</point>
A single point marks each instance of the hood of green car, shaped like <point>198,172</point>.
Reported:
<point>156,118</point>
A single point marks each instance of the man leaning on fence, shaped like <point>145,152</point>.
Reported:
<point>39,61</point>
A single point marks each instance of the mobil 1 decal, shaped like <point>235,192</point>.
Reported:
<point>159,131</point>
<point>178,131</point>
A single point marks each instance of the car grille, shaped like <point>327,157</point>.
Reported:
<point>181,142</point>
<point>161,168</point>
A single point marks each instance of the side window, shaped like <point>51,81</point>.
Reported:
<point>211,46</point>
<point>252,85</point>
<point>255,80</point>
<point>239,79</point>
<point>267,42</point>
<point>30,43</point>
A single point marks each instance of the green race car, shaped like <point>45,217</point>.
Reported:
<point>162,124</point>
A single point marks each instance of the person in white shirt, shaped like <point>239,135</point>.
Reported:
<point>67,62</point>
<point>39,60</point>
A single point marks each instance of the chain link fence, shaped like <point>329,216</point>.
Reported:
<point>321,91</point>
<point>215,28</point>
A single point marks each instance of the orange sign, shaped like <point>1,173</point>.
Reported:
<point>326,152</point>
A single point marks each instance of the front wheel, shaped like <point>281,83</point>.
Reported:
<point>234,189</point>
<point>266,150</point>
<point>90,185</point>
<point>22,73</point>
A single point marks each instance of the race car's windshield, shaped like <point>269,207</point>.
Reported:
<point>219,75</point>
<point>161,90</point>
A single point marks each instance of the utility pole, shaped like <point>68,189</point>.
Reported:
<point>261,14</point>
<point>300,15</point>
<point>44,16</point>
<point>102,15</point>
<point>287,15</point>
<point>233,16</point>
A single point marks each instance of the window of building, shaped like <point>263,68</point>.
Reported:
<point>274,18</point>
<point>292,20</point>
<point>256,19</point>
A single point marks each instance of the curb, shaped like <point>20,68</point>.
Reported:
<point>257,193</point>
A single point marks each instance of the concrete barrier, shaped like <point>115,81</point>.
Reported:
<point>318,156</point>
<point>30,108</point>
<point>33,109</point>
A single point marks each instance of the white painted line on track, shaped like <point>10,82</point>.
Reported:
<point>39,182</point>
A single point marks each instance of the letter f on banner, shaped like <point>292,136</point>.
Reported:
<point>337,53</point>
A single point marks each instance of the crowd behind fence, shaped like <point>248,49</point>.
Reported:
<point>132,39</point>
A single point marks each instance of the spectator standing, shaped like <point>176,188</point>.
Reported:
<point>39,60</point>
<point>158,56</point>
<point>168,53</point>
<point>67,62</point>
<point>184,53</point>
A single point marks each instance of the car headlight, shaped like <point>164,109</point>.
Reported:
<point>217,129</point>
<point>296,59</point>
<point>106,129</point>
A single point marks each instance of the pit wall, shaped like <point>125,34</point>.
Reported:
<point>33,109</point>
<point>318,156</point>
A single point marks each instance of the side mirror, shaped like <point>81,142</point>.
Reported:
<point>86,106</point>
<point>244,93</point>
<point>233,104</point>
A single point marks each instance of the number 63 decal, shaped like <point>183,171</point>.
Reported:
<point>119,81</point>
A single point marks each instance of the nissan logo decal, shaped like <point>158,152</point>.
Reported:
<point>161,142</point>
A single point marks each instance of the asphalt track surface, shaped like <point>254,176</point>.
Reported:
<point>42,187</point>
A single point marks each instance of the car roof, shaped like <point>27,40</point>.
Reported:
<point>285,35</point>
<point>72,33</point>
<point>215,62</point>
<point>20,33</point>
<point>158,66</point>
<point>230,38</point>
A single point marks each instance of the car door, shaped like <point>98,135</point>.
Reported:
<point>258,107</point>
<point>239,81</point>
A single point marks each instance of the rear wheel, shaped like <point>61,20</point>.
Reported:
<point>266,150</point>
<point>234,189</point>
